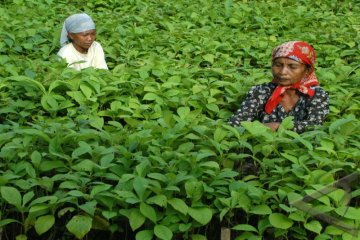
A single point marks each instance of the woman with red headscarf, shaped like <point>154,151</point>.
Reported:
<point>294,91</point>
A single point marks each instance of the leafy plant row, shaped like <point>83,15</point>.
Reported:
<point>143,151</point>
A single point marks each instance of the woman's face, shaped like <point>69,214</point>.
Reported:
<point>287,72</point>
<point>83,40</point>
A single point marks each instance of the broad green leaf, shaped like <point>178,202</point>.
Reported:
<point>148,211</point>
<point>79,225</point>
<point>261,210</point>
<point>296,136</point>
<point>140,184</point>
<point>202,215</point>
<point>159,200</point>
<point>314,226</point>
<point>348,212</point>
<point>44,223</point>
<point>136,219</point>
<point>163,232</point>
<point>183,112</point>
<point>219,134</point>
<point>36,158</point>
<point>158,176</point>
<point>27,197</point>
<point>21,237</point>
<point>7,221</point>
<point>87,91</point>
<point>11,195</point>
<point>150,96</point>
<point>244,227</point>
<point>179,205</point>
<point>198,237</point>
<point>84,166</point>
<point>89,207</point>
<point>144,235</point>
<point>279,220</point>
<point>213,107</point>
<point>209,58</point>
<point>194,189</point>
<point>82,149</point>
<point>99,188</point>
<point>96,122</point>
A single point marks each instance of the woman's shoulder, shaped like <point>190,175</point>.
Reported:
<point>96,44</point>
<point>319,91</point>
<point>65,49</point>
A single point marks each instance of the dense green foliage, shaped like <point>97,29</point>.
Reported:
<point>143,151</point>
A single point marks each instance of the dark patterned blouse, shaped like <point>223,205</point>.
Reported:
<point>307,111</point>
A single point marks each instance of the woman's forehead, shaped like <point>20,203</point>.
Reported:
<point>286,60</point>
<point>92,31</point>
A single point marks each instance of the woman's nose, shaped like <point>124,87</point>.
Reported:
<point>283,70</point>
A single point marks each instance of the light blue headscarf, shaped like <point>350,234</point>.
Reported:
<point>76,23</point>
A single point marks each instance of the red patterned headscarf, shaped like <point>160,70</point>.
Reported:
<point>301,52</point>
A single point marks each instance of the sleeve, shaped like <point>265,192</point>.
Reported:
<point>250,108</point>
<point>318,109</point>
<point>100,62</point>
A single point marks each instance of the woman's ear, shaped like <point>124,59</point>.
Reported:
<point>70,36</point>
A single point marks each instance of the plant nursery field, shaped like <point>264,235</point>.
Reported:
<point>143,151</point>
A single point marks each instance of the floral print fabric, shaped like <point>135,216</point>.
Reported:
<point>308,111</point>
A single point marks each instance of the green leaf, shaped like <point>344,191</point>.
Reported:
<point>5,222</point>
<point>183,112</point>
<point>21,237</point>
<point>99,188</point>
<point>198,237</point>
<point>89,207</point>
<point>84,166</point>
<point>96,122</point>
<point>245,227</point>
<point>82,149</point>
<point>79,225</point>
<point>87,91</point>
<point>140,184</point>
<point>150,96</point>
<point>219,134</point>
<point>314,226</point>
<point>27,197</point>
<point>163,232</point>
<point>148,211</point>
<point>279,220</point>
<point>11,195</point>
<point>202,215</point>
<point>348,212</point>
<point>261,210</point>
<point>144,235</point>
<point>44,223</point>
<point>213,107</point>
<point>159,200</point>
<point>136,219</point>
<point>36,158</point>
<point>194,189</point>
<point>179,205</point>
<point>209,58</point>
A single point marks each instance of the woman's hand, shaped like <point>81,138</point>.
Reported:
<point>273,125</point>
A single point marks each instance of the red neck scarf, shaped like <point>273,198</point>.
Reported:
<point>301,52</point>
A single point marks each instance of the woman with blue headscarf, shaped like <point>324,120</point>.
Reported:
<point>79,48</point>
